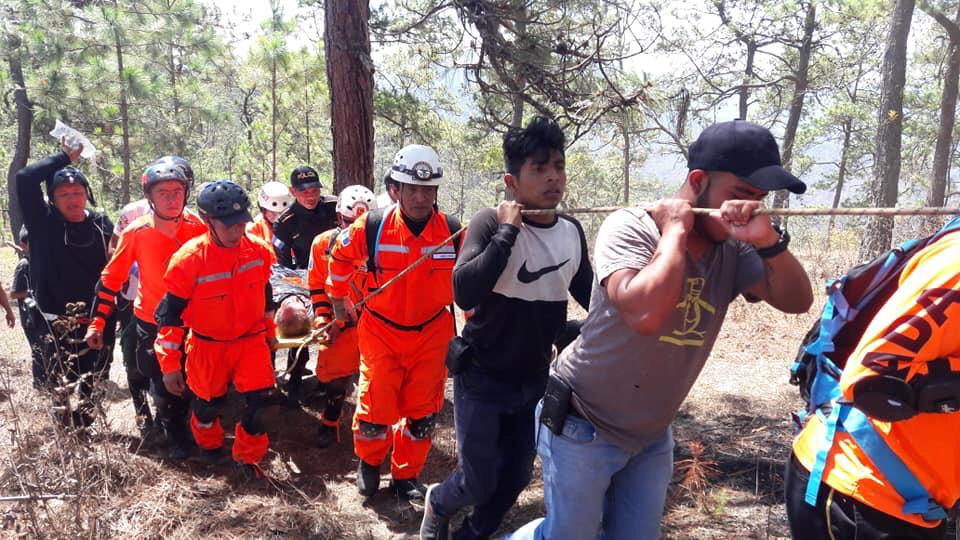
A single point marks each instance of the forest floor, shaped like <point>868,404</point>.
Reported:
<point>734,428</point>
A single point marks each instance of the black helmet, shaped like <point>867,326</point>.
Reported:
<point>226,201</point>
<point>68,175</point>
<point>24,236</point>
<point>164,169</point>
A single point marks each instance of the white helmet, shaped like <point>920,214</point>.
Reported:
<point>354,201</point>
<point>274,197</point>
<point>417,164</point>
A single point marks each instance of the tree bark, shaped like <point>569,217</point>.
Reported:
<point>781,198</point>
<point>350,79</point>
<point>948,106</point>
<point>273,119</point>
<point>124,122</point>
<point>627,157</point>
<point>842,171</point>
<point>21,153</point>
<point>747,77</point>
<point>886,170</point>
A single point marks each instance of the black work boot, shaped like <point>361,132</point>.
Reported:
<point>213,457</point>
<point>433,526</point>
<point>250,472</point>
<point>409,489</point>
<point>368,478</point>
<point>326,435</point>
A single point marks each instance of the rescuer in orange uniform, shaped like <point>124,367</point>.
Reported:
<point>903,379</point>
<point>273,198</point>
<point>218,287</point>
<point>339,357</point>
<point>149,242</point>
<point>403,332</point>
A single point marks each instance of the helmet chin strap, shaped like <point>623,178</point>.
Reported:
<point>213,232</point>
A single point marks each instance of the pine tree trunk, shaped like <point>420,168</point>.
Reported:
<point>886,170</point>
<point>350,79</point>
<point>781,198</point>
<point>125,123</point>
<point>948,106</point>
<point>21,153</point>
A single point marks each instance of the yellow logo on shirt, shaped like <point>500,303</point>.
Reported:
<point>693,307</point>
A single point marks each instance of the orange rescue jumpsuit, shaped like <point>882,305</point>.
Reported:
<point>225,292</point>
<point>151,250</point>
<point>918,324</point>
<point>403,335</point>
<point>340,359</point>
<point>261,228</point>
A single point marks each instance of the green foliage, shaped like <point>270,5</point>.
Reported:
<point>192,90</point>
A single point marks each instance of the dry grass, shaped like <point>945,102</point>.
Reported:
<point>733,434</point>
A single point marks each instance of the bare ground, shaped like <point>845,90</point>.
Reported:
<point>734,426</point>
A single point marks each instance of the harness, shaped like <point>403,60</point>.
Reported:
<point>815,368</point>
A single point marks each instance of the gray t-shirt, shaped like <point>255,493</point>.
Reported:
<point>629,385</point>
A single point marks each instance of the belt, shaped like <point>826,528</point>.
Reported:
<point>405,328</point>
<point>208,338</point>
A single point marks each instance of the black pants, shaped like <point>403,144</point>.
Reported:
<point>38,367</point>
<point>138,384</point>
<point>838,517</point>
<point>172,410</point>
<point>296,364</point>
<point>66,359</point>
<point>496,444</point>
<point>333,394</point>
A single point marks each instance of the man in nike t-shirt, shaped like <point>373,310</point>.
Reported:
<point>513,278</point>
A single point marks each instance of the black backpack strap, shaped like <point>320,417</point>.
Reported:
<point>453,224</point>
<point>333,240</point>
<point>374,219</point>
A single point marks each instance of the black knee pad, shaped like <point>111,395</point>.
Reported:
<point>372,431</point>
<point>336,390</point>
<point>256,405</point>
<point>207,411</point>
<point>422,428</point>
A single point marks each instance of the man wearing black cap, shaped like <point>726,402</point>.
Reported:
<point>309,216</point>
<point>69,246</point>
<point>664,279</point>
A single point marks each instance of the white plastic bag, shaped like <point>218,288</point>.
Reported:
<point>73,139</point>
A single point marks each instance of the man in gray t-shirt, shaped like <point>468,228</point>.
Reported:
<point>664,278</point>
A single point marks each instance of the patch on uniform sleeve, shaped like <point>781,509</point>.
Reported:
<point>277,243</point>
<point>345,237</point>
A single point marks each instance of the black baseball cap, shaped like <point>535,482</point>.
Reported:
<point>304,177</point>
<point>746,150</point>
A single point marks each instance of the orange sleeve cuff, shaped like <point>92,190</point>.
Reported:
<point>169,348</point>
<point>98,324</point>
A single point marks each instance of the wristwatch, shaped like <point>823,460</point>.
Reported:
<point>779,247</point>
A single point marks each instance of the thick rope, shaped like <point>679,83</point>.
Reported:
<point>920,211</point>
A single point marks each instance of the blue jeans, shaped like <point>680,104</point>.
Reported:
<point>592,487</point>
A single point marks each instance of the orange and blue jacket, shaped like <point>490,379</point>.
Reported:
<point>220,294</point>
<point>418,297</point>
<point>918,324</point>
<point>143,244</point>
<point>318,277</point>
